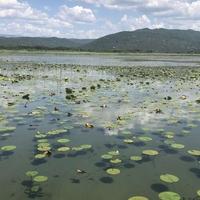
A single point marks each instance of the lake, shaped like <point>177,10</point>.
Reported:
<point>89,126</point>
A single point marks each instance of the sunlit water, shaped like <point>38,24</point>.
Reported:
<point>108,59</point>
<point>122,106</point>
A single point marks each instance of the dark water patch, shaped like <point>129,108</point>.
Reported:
<point>139,144</point>
<point>106,179</point>
<point>158,187</point>
<point>100,164</point>
<point>60,155</point>
<point>121,146</point>
<point>187,159</point>
<point>109,146</point>
<point>36,162</point>
<point>168,150</point>
<point>129,165</point>
<point>75,180</point>
<point>195,171</point>
<point>78,153</point>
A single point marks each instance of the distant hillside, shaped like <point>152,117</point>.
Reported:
<point>143,40</point>
<point>41,42</point>
<point>147,40</point>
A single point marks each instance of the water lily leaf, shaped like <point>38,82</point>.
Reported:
<point>138,198</point>
<point>8,148</point>
<point>128,141</point>
<point>113,171</point>
<point>106,157</point>
<point>177,146</point>
<point>194,152</point>
<point>63,140</point>
<point>145,139</point>
<point>116,161</point>
<point>113,153</point>
<point>40,179</point>
<point>63,149</point>
<point>150,152</point>
<point>31,173</point>
<point>136,158</point>
<point>169,178</point>
<point>169,196</point>
<point>40,156</point>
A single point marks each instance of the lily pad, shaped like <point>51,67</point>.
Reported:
<point>198,192</point>
<point>114,153</point>
<point>138,198</point>
<point>136,158</point>
<point>150,152</point>
<point>40,156</point>
<point>7,129</point>
<point>169,196</point>
<point>44,148</point>
<point>145,139</point>
<point>116,161</point>
<point>169,178</point>
<point>56,132</point>
<point>8,148</point>
<point>113,171</point>
<point>63,149</point>
<point>194,152</point>
<point>177,146</point>
<point>63,140</point>
<point>31,173</point>
<point>106,157</point>
<point>40,178</point>
<point>86,146</point>
<point>35,188</point>
<point>128,141</point>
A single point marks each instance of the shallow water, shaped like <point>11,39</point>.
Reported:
<point>106,59</point>
<point>123,105</point>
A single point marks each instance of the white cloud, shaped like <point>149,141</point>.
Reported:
<point>77,14</point>
<point>143,21</point>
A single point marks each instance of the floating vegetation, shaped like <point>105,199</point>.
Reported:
<point>107,157</point>
<point>84,124</point>
<point>138,198</point>
<point>169,178</point>
<point>40,156</point>
<point>128,141</point>
<point>194,152</point>
<point>136,158</point>
<point>169,196</point>
<point>177,146</point>
<point>31,173</point>
<point>56,132</point>
<point>86,146</point>
<point>8,148</point>
<point>150,152</point>
<point>113,171</point>
<point>63,149</point>
<point>115,161</point>
<point>145,139</point>
<point>63,140</point>
<point>7,129</point>
<point>114,153</point>
<point>40,179</point>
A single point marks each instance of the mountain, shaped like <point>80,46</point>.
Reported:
<point>41,42</point>
<point>142,40</point>
<point>148,40</point>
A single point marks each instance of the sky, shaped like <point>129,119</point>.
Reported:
<point>94,18</point>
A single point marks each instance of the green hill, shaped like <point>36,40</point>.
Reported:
<point>143,40</point>
<point>40,43</point>
<point>147,40</point>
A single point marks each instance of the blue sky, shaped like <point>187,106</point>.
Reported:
<point>94,18</point>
